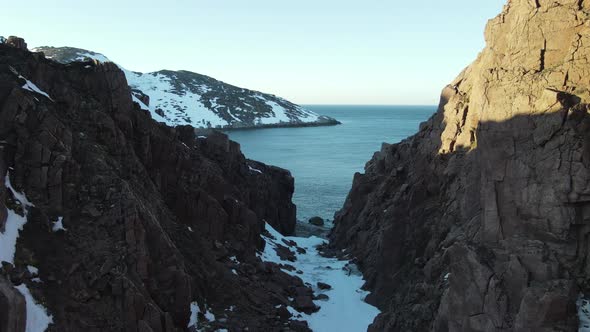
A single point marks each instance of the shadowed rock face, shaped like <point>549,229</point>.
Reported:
<point>152,215</point>
<point>480,221</point>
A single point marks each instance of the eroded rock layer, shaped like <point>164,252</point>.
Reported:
<point>480,222</point>
<point>132,220</point>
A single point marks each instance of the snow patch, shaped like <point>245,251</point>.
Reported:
<point>194,314</point>
<point>37,317</point>
<point>33,270</point>
<point>94,56</point>
<point>583,305</point>
<point>279,112</point>
<point>179,108</point>
<point>252,169</point>
<point>345,310</point>
<point>141,103</point>
<point>14,224</point>
<point>33,88</point>
<point>58,225</point>
<point>194,318</point>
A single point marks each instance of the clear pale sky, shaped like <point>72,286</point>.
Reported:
<point>308,51</point>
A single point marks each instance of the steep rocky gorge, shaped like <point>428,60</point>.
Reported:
<point>481,221</point>
<point>132,223</point>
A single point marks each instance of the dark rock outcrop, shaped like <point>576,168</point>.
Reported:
<point>12,307</point>
<point>151,214</point>
<point>480,222</point>
<point>16,42</point>
<point>316,221</point>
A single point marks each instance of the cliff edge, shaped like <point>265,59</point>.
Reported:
<point>110,221</point>
<point>480,221</point>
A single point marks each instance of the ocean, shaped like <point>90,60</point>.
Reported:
<point>323,160</point>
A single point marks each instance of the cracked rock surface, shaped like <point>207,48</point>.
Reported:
<point>480,221</point>
<point>135,224</point>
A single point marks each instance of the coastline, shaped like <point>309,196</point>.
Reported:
<point>331,122</point>
<point>326,123</point>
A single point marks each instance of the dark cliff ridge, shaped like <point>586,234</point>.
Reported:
<point>132,223</point>
<point>186,98</point>
<point>480,221</point>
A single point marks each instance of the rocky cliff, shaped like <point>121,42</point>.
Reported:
<point>125,223</point>
<point>187,98</point>
<point>481,221</point>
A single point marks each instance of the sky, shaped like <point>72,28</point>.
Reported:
<point>308,51</point>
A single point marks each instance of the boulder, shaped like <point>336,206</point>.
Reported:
<point>324,286</point>
<point>317,221</point>
<point>16,42</point>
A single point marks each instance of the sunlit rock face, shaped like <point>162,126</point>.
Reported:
<point>479,222</point>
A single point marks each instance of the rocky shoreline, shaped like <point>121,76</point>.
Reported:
<point>328,122</point>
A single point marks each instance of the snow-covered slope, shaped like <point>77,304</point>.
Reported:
<point>343,306</point>
<point>183,97</point>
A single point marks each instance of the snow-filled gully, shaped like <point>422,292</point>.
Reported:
<point>37,317</point>
<point>345,309</point>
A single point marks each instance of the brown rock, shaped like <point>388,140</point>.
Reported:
<point>13,312</point>
<point>16,42</point>
<point>322,285</point>
<point>151,212</point>
<point>474,207</point>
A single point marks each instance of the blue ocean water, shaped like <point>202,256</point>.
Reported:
<point>323,160</point>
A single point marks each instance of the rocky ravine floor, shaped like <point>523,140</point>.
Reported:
<point>339,300</point>
<point>336,282</point>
